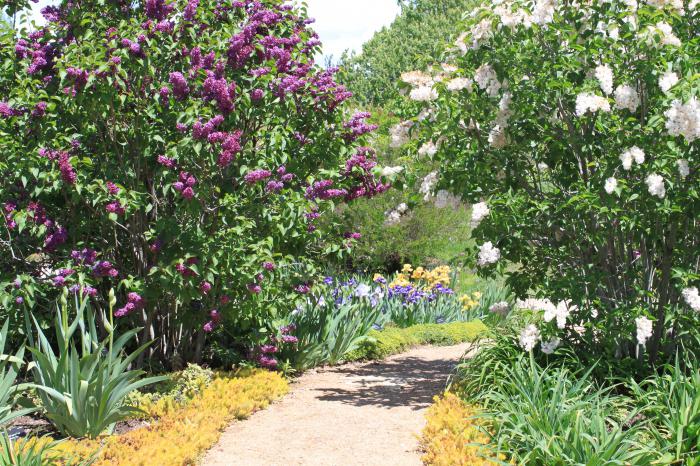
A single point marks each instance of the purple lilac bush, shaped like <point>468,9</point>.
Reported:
<point>181,152</point>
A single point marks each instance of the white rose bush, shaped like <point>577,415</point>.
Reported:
<point>574,129</point>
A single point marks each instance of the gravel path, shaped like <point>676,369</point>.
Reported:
<point>365,414</point>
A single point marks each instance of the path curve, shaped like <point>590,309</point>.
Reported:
<point>362,414</point>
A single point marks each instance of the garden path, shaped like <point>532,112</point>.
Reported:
<point>360,414</point>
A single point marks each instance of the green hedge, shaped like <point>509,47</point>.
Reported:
<point>392,340</point>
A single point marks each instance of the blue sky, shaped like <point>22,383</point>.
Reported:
<point>341,24</point>
<point>347,24</point>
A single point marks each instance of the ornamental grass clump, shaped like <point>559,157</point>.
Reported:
<point>573,130</point>
<point>555,417</point>
<point>83,383</point>
<point>171,148</point>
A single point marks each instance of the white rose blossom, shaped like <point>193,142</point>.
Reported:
<point>587,102</point>
<point>392,171</point>
<point>428,149</point>
<point>458,84</point>
<point>400,134</point>
<point>610,185</point>
<point>692,298</point>
<point>488,254</point>
<point>423,93</point>
<point>668,80</point>
<point>633,154</point>
<point>480,210</point>
<point>644,330</point>
<point>529,337</point>
<point>626,97</point>
<point>501,308</point>
<point>684,119</point>
<point>427,185</point>
<point>604,75</point>
<point>655,184</point>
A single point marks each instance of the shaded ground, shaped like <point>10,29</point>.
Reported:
<point>359,414</point>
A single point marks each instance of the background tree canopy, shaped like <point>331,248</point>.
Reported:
<point>413,41</point>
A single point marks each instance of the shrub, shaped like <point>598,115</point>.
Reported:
<point>391,340</point>
<point>453,435</point>
<point>573,131</point>
<point>181,436</point>
<point>83,384</point>
<point>181,151</point>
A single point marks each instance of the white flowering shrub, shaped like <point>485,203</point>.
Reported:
<point>574,129</point>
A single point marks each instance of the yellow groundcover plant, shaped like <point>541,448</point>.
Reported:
<point>452,437</point>
<point>182,435</point>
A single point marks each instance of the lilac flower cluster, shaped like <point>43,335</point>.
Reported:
<point>115,207</point>
<point>323,190</point>
<point>183,267</point>
<point>214,320</point>
<point>166,162</point>
<point>134,303</point>
<point>78,76</point>
<point>357,126</point>
<point>68,174</point>
<point>42,55</point>
<point>9,209</point>
<point>366,184</point>
<point>179,83</point>
<point>158,9</point>
<point>257,175</point>
<point>86,256</point>
<point>39,109</point>
<point>185,185</point>
<point>60,279</point>
<point>219,90</point>
<point>6,111</point>
<point>230,146</point>
<point>104,269</point>
<point>205,287</point>
<point>56,236</point>
<point>266,353</point>
<point>202,131</point>
<point>190,11</point>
